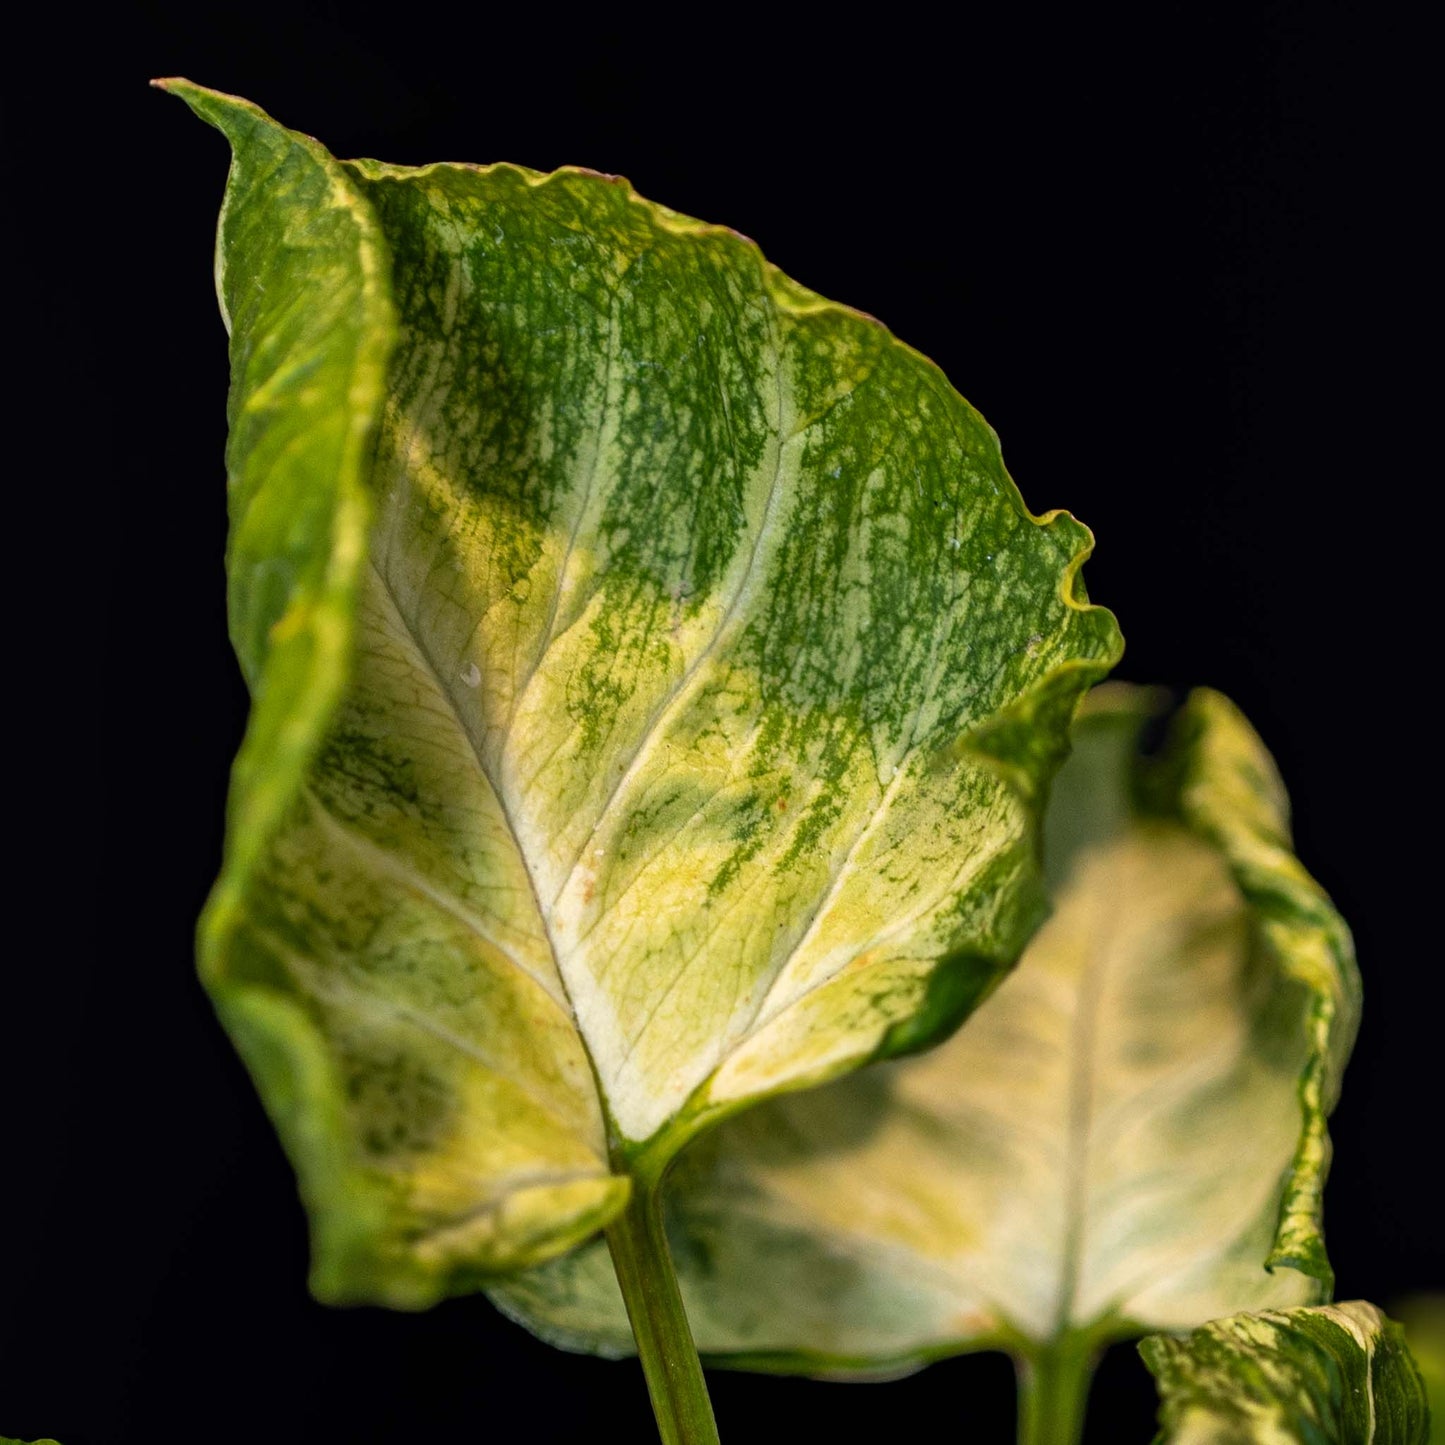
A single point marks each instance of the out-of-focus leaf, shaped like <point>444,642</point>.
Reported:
<point>1423,1318</point>
<point>1329,1375</point>
<point>1129,1135</point>
<point>656,678</point>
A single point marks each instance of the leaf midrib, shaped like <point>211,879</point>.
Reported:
<point>1167,1092</point>
<point>410,635</point>
<point>424,657</point>
<point>1083,1047</point>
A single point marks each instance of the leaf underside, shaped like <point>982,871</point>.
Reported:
<point>1121,1139</point>
<point>1330,1375</point>
<point>656,674</point>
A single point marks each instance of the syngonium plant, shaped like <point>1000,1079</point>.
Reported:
<point>657,683</point>
<point>1128,1136</point>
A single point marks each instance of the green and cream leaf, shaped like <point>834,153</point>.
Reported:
<point>1330,1375</point>
<point>656,677</point>
<point>1120,1140</point>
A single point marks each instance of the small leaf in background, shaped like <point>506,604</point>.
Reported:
<point>656,679</point>
<point>1328,1375</point>
<point>1119,1140</point>
<point>1423,1319</point>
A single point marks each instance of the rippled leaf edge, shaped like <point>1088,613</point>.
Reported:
<point>1230,792</point>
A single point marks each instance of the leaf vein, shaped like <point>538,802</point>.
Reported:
<point>409,634</point>
<point>397,867</point>
<point>770,510</point>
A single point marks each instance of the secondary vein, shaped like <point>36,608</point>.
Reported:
<point>397,867</point>
<point>691,671</point>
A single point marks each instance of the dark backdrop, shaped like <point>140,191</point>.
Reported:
<point>1162,255</point>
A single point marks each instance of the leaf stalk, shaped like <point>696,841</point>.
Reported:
<point>1053,1385</point>
<point>638,1242</point>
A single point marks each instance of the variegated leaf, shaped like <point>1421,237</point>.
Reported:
<point>1332,1375</point>
<point>656,673</point>
<point>1129,1135</point>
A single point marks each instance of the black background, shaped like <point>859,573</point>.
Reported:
<point>1165,251</point>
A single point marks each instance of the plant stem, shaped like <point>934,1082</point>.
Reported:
<point>1054,1390</point>
<point>638,1243</point>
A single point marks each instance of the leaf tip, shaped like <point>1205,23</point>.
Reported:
<point>179,85</point>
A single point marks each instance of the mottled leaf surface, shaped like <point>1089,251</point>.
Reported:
<point>656,674</point>
<point>1118,1140</point>
<point>1331,1375</point>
